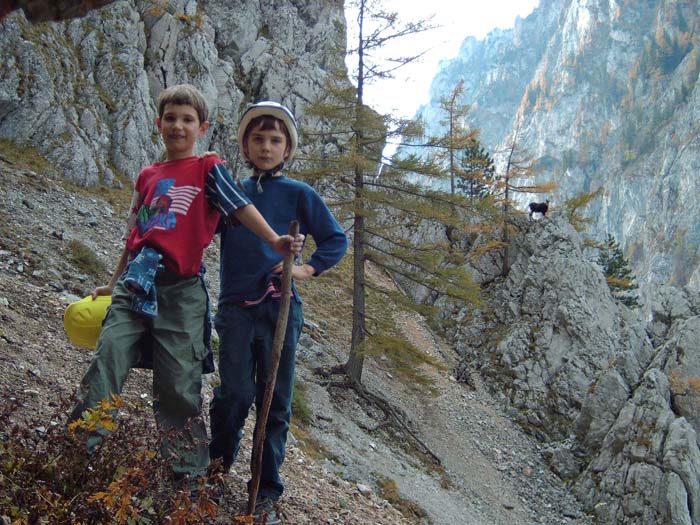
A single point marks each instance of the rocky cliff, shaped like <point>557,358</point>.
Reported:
<point>611,392</point>
<point>82,91</point>
<point>606,96</point>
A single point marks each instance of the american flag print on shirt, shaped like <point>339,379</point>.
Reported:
<point>167,202</point>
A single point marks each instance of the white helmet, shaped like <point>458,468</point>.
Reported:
<point>273,109</point>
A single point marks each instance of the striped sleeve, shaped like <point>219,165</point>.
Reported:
<point>222,191</point>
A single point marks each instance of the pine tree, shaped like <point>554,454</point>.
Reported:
<point>477,172</point>
<point>618,273</point>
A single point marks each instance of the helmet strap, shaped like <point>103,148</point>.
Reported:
<point>257,172</point>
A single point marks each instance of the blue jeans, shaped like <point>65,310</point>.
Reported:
<point>245,348</point>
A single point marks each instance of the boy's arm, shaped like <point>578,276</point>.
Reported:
<point>107,289</point>
<point>223,193</point>
<point>299,273</point>
<point>331,241</point>
<point>251,218</point>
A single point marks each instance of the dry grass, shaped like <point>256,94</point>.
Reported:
<point>390,492</point>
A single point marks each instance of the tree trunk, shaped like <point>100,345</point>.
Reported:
<point>506,237</point>
<point>355,363</point>
<point>506,202</point>
<point>353,367</point>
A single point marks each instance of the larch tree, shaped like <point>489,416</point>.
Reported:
<point>458,136</point>
<point>444,154</point>
<point>375,28</point>
<point>373,194</point>
<point>517,177</point>
<point>573,208</point>
<point>446,150</point>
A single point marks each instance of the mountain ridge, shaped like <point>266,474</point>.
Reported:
<point>606,97</point>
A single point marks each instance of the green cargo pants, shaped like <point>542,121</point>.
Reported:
<point>178,351</point>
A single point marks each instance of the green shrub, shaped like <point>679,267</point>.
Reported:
<point>300,407</point>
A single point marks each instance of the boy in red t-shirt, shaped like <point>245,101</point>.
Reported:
<point>175,211</point>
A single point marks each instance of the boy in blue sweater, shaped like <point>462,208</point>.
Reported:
<point>250,291</point>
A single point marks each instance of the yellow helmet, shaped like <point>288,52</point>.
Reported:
<point>83,320</point>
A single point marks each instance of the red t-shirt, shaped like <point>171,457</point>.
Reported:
<point>173,215</point>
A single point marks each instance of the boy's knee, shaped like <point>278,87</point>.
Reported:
<point>185,404</point>
<point>110,358</point>
<point>240,403</point>
<point>280,414</point>
<point>234,392</point>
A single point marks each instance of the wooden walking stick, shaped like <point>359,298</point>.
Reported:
<point>277,342</point>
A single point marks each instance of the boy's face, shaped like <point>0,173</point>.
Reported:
<point>266,148</point>
<point>180,127</point>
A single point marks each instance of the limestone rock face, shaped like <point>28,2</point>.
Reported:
<point>605,95</point>
<point>550,328</point>
<point>611,392</point>
<point>82,91</point>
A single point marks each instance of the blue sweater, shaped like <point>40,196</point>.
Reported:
<point>246,259</point>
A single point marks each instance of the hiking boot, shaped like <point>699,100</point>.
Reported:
<point>266,512</point>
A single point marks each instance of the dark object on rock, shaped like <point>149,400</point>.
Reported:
<point>538,207</point>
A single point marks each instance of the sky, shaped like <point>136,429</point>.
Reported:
<point>458,19</point>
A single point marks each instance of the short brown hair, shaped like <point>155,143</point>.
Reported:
<point>184,95</point>
<point>267,123</point>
